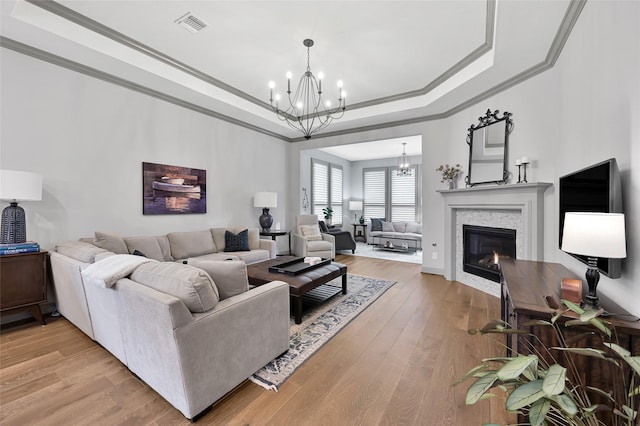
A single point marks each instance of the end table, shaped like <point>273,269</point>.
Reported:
<point>24,282</point>
<point>360,235</point>
<point>275,234</point>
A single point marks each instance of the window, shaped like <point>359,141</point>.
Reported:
<point>375,193</point>
<point>390,196</point>
<point>326,189</point>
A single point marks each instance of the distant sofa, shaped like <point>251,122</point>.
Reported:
<point>382,231</point>
<point>192,331</point>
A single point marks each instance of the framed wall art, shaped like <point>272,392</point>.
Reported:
<point>173,189</point>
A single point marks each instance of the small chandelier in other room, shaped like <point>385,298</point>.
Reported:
<point>404,168</point>
<point>305,110</point>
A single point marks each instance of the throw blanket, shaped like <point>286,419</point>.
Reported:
<point>109,270</point>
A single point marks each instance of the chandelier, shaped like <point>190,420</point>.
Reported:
<point>404,168</point>
<point>305,110</point>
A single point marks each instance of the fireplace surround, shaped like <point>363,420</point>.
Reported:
<point>512,206</point>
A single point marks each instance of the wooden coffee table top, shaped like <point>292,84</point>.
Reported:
<point>298,284</point>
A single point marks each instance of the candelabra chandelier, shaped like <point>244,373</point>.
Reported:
<point>306,110</point>
<point>404,168</point>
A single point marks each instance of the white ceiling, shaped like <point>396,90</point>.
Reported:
<point>399,60</point>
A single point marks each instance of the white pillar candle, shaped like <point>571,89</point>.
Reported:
<point>525,160</point>
<point>518,162</point>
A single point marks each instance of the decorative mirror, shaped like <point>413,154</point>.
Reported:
<point>487,142</point>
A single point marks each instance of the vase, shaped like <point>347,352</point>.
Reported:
<point>452,184</point>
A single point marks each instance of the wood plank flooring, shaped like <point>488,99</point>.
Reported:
<point>393,365</point>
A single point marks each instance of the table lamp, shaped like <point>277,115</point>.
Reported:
<point>17,186</point>
<point>594,235</point>
<point>355,206</point>
<point>265,200</point>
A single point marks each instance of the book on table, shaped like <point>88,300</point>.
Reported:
<point>17,248</point>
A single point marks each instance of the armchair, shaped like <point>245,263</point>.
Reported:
<point>344,239</point>
<point>306,246</point>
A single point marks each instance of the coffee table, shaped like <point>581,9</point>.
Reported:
<point>299,284</point>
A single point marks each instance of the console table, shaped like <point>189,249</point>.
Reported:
<point>529,288</point>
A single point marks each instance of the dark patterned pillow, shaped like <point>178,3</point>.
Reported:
<point>323,226</point>
<point>139,253</point>
<point>236,242</point>
<point>376,224</point>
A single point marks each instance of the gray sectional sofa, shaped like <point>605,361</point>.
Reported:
<point>191,331</point>
<point>395,232</point>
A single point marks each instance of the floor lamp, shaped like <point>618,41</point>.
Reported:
<point>594,235</point>
<point>17,186</point>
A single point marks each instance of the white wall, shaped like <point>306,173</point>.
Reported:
<point>88,139</point>
<point>584,110</point>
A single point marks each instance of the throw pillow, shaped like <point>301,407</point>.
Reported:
<point>111,242</point>
<point>229,276</point>
<point>387,227</point>
<point>376,224</point>
<point>191,285</point>
<point>414,228</point>
<point>323,226</point>
<point>311,232</point>
<point>236,242</point>
<point>147,245</point>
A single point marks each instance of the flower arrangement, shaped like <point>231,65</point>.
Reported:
<point>449,173</point>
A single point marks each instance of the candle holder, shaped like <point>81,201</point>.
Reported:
<point>519,178</point>
<point>524,164</point>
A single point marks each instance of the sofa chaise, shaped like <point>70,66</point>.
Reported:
<point>182,317</point>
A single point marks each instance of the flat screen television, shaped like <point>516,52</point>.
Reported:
<point>593,189</point>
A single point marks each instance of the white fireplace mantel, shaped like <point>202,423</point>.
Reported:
<point>527,199</point>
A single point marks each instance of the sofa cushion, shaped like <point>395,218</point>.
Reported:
<point>414,228</point>
<point>311,232</point>
<point>147,245</point>
<point>376,224</point>
<point>387,227</point>
<point>110,242</point>
<point>319,246</point>
<point>191,244</point>
<point>236,242</point>
<point>79,250</point>
<point>229,276</point>
<point>191,285</point>
<point>165,247</point>
<point>252,256</point>
<point>400,226</point>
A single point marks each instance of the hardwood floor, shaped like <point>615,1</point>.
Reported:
<point>394,365</point>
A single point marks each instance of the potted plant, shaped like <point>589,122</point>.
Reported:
<point>328,214</point>
<point>547,386</point>
<point>450,174</point>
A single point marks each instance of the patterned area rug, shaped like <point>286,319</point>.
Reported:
<point>319,325</point>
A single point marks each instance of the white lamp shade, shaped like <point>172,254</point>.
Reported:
<point>594,234</point>
<point>265,199</point>
<point>355,206</point>
<point>20,186</point>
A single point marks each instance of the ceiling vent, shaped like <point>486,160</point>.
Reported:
<point>191,23</point>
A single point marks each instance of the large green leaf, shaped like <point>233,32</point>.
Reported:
<point>538,411</point>
<point>600,326</point>
<point>470,373</point>
<point>514,368</point>
<point>554,382</point>
<point>479,387</point>
<point>633,361</point>
<point>597,353</point>
<point>525,395</point>
<point>572,306</point>
<point>635,391</point>
<point>566,404</point>
<point>590,314</point>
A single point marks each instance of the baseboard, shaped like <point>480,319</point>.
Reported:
<point>434,271</point>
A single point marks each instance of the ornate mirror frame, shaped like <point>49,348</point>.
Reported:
<point>488,141</point>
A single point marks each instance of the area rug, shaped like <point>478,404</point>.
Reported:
<point>367,250</point>
<point>319,325</point>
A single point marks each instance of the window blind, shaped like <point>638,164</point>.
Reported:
<point>375,193</point>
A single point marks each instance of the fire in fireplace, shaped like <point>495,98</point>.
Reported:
<point>483,247</point>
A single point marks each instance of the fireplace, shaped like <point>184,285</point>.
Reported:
<point>482,248</point>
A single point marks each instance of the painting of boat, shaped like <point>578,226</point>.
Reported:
<point>172,187</point>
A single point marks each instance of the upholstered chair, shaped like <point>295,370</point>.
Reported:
<point>344,239</point>
<point>309,241</point>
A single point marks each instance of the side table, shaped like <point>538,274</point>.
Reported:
<point>275,234</point>
<point>24,283</point>
<point>360,235</point>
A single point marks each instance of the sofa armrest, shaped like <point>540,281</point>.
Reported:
<point>299,244</point>
<point>269,245</point>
